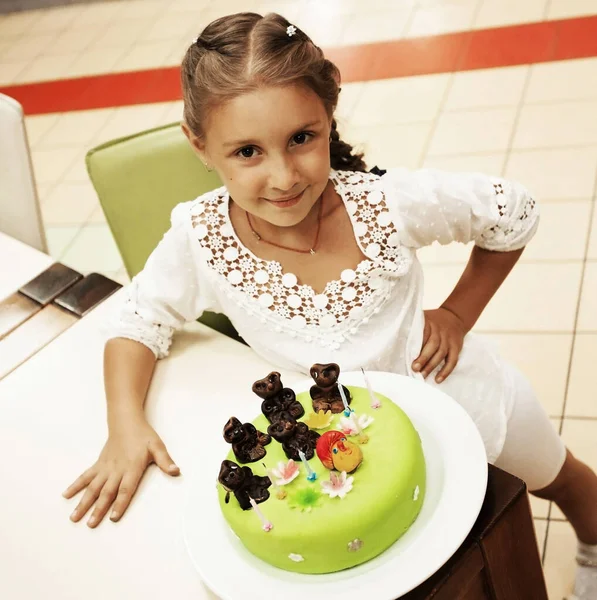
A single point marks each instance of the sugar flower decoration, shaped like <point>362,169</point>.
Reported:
<point>319,420</point>
<point>290,30</point>
<point>338,485</point>
<point>304,499</point>
<point>354,424</point>
<point>285,472</point>
<point>355,545</point>
<point>296,557</point>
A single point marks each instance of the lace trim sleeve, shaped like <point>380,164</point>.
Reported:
<point>165,294</point>
<point>434,206</point>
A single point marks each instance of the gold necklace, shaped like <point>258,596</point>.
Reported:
<point>311,250</point>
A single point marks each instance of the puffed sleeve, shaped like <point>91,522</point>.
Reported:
<point>165,294</point>
<point>429,206</point>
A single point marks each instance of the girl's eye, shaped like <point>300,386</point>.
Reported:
<point>247,152</point>
<point>301,138</point>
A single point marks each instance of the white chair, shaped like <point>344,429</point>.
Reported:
<point>20,214</point>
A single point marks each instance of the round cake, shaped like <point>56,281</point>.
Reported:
<point>324,480</point>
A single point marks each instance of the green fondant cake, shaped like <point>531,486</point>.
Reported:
<point>318,518</point>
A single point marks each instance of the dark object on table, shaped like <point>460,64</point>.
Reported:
<point>243,484</point>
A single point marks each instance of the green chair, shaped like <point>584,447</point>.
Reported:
<point>139,179</point>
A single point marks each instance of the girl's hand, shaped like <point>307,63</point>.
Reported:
<point>113,479</point>
<point>442,341</point>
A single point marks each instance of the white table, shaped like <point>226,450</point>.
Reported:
<point>19,264</point>
<point>52,427</point>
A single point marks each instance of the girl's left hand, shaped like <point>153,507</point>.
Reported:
<point>442,340</point>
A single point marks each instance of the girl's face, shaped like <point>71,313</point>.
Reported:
<point>271,149</point>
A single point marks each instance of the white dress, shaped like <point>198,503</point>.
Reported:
<point>372,316</point>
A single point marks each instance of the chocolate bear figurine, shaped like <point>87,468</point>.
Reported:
<point>243,484</point>
<point>247,442</point>
<point>277,398</point>
<point>293,436</point>
<point>325,393</point>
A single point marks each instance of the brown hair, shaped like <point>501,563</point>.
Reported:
<point>239,53</point>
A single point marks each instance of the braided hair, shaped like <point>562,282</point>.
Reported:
<point>240,53</point>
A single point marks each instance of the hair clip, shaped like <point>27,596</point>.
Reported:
<point>290,30</point>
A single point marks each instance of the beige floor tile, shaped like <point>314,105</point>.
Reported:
<point>498,13</point>
<point>93,249</point>
<point>534,298</point>
<point>69,204</point>
<point>51,165</point>
<point>580,401</point>
<point>540,533</point>
<point>562,9</point>
<point>169,26</point>
<point>72,42</point>
<point>539,507</point>
<point>123,34</point>
<point>322,31</point>
<point>128,120</point>
<point>561,81</point>
<point>562,233</point>
<point>444,18</point>
<point>77,173</point>
<point>364,28</point>
<point>97,217</point>
<point>100,14</point>
<point>44,190</point>
<point>60,238</point>
<point>289,10</point>
<point>18,23</point>
<point>570,124</point>
<point>530,353</point>
<point>46,68</point>
<point>381,149</point>
<point>490,164</point>
<point>37,126</point>
<point>487,88</point>
<point>173,112</point>
<point>56,19</point>
<point>149,55</point>
<point>592,250</point>
<point>556,174</point>
<point>97,60</point>
<point>142,9</point>
<point>560,565</point>
<point>406,100</point>
<point>348,98</point>
<point>29,46</point>
<point>76,129</point>
<point>473,131</point>
<point>9,71</point>
<point>587,315</point>
<point>581,437</point>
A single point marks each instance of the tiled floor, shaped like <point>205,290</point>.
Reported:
<point>533,122</point>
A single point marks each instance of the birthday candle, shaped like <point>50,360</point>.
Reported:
<point>344,400</point>
<point>375,402</point>
<point>311,474</point>
<point>267,526</point>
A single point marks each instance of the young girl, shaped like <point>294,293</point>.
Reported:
<point>313,259</point>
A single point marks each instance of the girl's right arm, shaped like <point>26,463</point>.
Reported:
<point>132,443</point>
<point>159,300</point>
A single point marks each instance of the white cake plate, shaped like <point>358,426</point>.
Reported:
<point>456,485</point>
